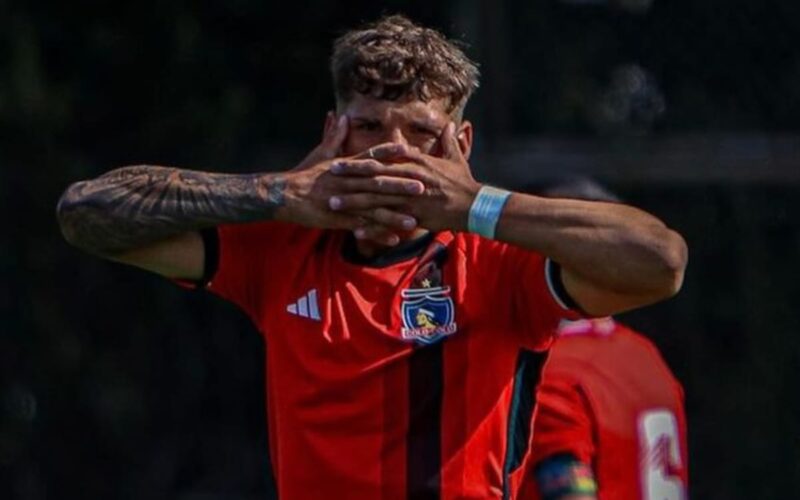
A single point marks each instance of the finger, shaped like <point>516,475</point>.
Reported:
<point>381,184</point>
<point>372,168</point>
<point>330,122</point>
<point>384,152</point>
<point>362,201</point>
<point>451,149</point>
<point>411,155</point>
<point>348,221</point>
<point>334,138</point>
<point>389,218</point>
<point>366,209</point>
<point>377,234</point>
<point>363,168</point>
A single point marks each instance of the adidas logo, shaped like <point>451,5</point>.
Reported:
<point>306,306</point>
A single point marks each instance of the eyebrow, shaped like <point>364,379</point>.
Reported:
<point>421,123</point>
<point>364,119</point>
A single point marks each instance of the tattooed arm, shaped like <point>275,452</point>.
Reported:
<point>133,206</point>
<point>145,215</point>
<point>149,216</point>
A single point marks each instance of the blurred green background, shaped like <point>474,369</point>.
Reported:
<point>115,384</point>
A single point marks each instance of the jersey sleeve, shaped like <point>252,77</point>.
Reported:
<point>562,423</point>
<point>540,301</point>
<point>247,259</point>
<point>532,285</point>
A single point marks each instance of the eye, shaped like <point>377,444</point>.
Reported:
<point>368,126</point>
<point>420,130</point>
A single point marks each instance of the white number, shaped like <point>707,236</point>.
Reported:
<point>660,456</point>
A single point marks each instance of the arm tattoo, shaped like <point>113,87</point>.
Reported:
<point>134,206</point>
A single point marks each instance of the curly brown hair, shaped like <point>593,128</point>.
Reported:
<point>394,58</point>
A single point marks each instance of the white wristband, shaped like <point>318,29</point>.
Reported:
<point>485,211</point>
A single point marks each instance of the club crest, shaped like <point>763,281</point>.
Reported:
<point>428,314</point>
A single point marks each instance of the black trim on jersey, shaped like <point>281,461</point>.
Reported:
<point>558,286</point>
<point>211,255</point>
<point>404,251</point>
<point>518,428</point>
<point>423,442</point>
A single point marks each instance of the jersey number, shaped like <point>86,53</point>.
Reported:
<point>660,458</point>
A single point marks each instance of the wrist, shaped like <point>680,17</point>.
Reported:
<point>485,211</point>
<point>275,192</point>
<point>462,222</point>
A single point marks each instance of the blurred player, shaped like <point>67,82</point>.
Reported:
<point>396,293</point>
<point>610,421</point>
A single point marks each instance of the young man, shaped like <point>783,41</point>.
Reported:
<point>394,291</point>
<point>610,421</point>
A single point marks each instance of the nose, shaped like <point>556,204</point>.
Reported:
<point>396,136</point>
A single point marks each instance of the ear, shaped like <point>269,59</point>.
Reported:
<point>464,138</point>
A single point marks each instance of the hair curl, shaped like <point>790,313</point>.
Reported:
<point>394,58</point>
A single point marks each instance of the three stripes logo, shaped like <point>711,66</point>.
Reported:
<point>306,306</point>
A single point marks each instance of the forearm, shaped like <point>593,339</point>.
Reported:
<point>616,247</point>
<point>134,206</point>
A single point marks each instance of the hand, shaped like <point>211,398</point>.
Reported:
<point>449,186</point>
<point>311,185</point>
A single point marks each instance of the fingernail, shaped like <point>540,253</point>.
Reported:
<point>409,223</point>
<point>341,121</point>
<point>337,168</point>
<point>393,240</point>
<point>415,188</point>
<point>360,234</point>
<point>335,203</point>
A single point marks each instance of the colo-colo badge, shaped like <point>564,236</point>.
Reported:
<point>428,314</point>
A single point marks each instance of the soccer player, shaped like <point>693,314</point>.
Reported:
<point>610,422</point>
<point>396,293</point>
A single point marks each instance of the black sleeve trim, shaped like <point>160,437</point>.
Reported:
<point>211,251</point>
<point>559,290</point>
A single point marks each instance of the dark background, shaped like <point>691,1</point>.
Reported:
<point>115,384</point>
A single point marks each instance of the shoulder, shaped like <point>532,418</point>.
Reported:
<point>267,228</point>
<point>252,246</point>
<point>476,246</point>
<point>647,348</point>
<point>638,342</point>
<point>584,347</point>
<point>268,234</point>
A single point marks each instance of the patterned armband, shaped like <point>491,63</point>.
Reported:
<point>485,211</point>
<point>564,475</point>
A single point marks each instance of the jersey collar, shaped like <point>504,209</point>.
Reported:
<point>404,251</point>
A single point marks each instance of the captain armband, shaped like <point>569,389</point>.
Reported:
<point>564,475</point>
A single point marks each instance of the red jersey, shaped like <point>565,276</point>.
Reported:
<point>407,377</point>
<point>608,399</point>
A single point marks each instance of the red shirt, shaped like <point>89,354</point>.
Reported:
<point>395,381</point>
<point>609,399</point>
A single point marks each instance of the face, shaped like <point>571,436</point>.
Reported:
<point>416,123</point>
